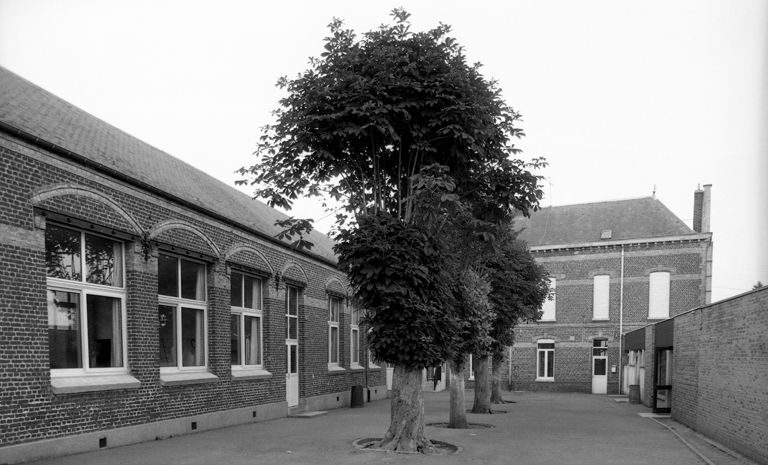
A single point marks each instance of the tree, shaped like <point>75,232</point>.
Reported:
<point>519,287</point>
<point>757,286</point>
<point>400,130</point>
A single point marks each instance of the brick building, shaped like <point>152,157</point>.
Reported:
<point>614,266</point>
<point>141,298</point>
<point>708,367</point>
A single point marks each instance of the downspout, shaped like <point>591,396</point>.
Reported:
<point>621,320</point>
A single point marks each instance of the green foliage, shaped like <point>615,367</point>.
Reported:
<point>368,115</point>
<point>397,274</point>
<point>519,287</point>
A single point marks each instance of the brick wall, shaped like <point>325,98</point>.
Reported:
<point>574,329</point>
<point>29,411</point>
<point>720,385</point>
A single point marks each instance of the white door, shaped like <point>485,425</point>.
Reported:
<point>600,366</point>
<point>292,346</point>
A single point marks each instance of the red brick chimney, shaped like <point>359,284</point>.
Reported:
<point>702,204</point>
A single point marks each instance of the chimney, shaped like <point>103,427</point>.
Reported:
<point>701,207</point>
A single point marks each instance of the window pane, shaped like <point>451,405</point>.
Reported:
<point>334,344</point>
<point>658,299</point>
<point>355,346</point>
<point>600,366</point>
<point>550,364</point>
<point>293,301</point>
<point>167,336</point>
<point>105,332</point>
<point>601,297</point>
<point>252,340</point>
<point>62,253</point>
<point>549,306</point>
<point>234,336</point>
<point>192,280</point>
<point>236,290</point>
<point>167,275</point>
<point>252,292</point>
<point>334,305</point>
<point>542,356</point>
<point>64,329</point>
<point>546,345</point>
<point>192,337</point>
<point>293,329</point>
<point>103,261</point>
<point>293,363</point>
<point>355,316</point>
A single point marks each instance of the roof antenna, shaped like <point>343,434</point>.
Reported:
<point>654,191</point>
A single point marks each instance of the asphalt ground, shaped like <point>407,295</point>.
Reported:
<point>537,428</point>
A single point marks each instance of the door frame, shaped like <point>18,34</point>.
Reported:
<point>292,379</point>
<point>599,382</point>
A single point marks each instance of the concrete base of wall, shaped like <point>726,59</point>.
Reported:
<point>339,399</point>
<point>140,433</point>
<point>565,386</point>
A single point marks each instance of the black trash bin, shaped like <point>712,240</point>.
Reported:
<point>357,397</point>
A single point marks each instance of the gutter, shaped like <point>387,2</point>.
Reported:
<point>32,139</point>
<point>696,237</point>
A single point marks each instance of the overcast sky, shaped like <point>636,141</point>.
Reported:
<point>621,97</point>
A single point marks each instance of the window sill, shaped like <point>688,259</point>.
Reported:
<point>181,378</point>
<point>335,370</point>
<point>250,373</point>
<point>93,383</point>
<point>601,319</point>
<point>356,367</point>
<point>547,321</point>
<point>545,380</point>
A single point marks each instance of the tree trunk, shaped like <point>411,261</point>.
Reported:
<point>498,364</point>
<point>406,427</point>
<point>458,411</point>
<point>482,402</point>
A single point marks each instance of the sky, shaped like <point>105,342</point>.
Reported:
<point>621,97</point>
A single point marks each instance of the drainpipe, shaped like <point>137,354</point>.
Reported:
<point>621,319</point>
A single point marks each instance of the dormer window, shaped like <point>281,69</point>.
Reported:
<point>606,234</point>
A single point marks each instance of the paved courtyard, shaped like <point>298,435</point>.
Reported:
<point>535,429</point>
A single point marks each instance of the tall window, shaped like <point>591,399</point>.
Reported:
<point>292,313</point>
<point>549,305</point>
<point>182,312</point>
<point>601,297</point>
<point>354,335</point>
<point>246,327</point>
<point>545,360</point>
<point>86,302</point>
<point>334,310</point>
<point>658,298</point>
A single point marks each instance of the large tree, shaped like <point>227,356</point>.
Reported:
<point>519,287</point>
<point>402,132</point>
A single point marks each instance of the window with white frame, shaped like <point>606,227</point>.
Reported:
<point>354,336</point>
<point>86,302</point>
<point>601,297</point>
<point>658,296</point>
<point>471,368</point>
<point>549,304</point>
<point>182,312</point>
<point>334,312</point>
<point>545,360</point>
<point>246,320</point>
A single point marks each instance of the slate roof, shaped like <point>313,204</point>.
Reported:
<point>33,110</point>
<point>584,223</point>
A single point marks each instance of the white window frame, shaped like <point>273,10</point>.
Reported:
<point>241,313</point>
<point>659,287</point>
<point>601,297</point>
<point>84,289</point>
<point>548,353</point>
<point>549,306</point>
<point>334,325</point>
<point>178,303</point>
<point>354,336</point>
<point>469,367</point>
